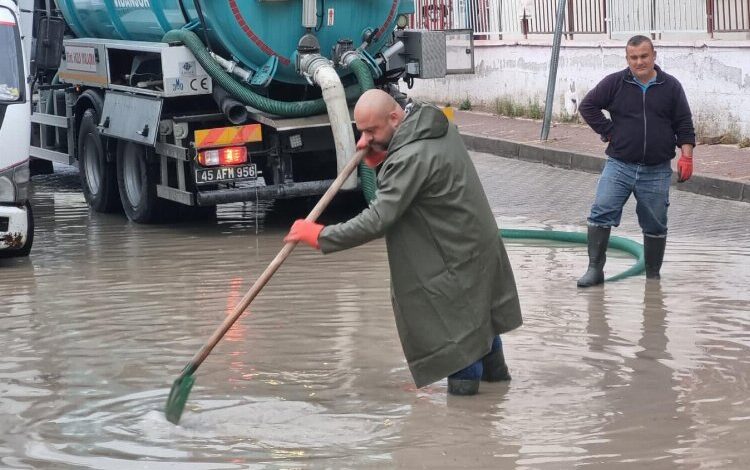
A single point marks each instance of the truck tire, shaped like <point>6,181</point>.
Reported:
<point>98,176</point>
<point>26,248</point>
<point>137,176</point>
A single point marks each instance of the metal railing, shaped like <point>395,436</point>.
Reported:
<point>728,16</point>
<point>433,14</point>
<point>581,17</point>
<point>483,16</point>
<point>497,17</point>
<point>657,16</point>
<point>587,17</point>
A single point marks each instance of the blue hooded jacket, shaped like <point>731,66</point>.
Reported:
<point>645,125</point>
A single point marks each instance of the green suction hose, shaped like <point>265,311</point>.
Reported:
<point>242,93</point>
<point>367,180</point>
<point>367,177</point>
<point>280,108</point>
<point>362,71</point>
<point>615,242</point>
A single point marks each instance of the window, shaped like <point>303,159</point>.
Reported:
<point>11,65</point>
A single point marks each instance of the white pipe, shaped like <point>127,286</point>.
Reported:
<point>309,13</point>
<point>233,67</point>
<point>324,75</point>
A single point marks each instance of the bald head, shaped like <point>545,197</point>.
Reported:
<point>377,116</point>
<point>375,102</point>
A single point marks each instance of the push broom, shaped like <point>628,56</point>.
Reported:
<point>181,387</point>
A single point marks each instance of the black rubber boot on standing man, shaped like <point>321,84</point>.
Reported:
<point>598,238</point>
<point>653,250</point>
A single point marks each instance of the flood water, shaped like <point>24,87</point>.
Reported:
<point>102,317</point>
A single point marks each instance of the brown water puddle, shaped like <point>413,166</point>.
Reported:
<point>105,313</point>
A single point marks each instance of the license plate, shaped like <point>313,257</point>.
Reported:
<point>225,173</point>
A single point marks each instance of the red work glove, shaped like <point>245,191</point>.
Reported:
<point>304,231</point>
<point>373,157</point>
<point>684,168</point>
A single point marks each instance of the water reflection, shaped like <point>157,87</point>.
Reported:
<point>440,430</point>
<point>641,397</point>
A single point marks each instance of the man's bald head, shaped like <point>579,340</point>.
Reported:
<point>377,102</point>
<point>377,116</point>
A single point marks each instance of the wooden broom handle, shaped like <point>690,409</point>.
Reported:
<point>201,355</point>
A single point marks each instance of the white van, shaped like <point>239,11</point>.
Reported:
<point>16,219</point>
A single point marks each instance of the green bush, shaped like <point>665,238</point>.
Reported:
<point>506,106</point>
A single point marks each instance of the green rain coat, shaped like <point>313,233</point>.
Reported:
<point>452,285</point>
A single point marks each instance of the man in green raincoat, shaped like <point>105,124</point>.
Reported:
<point>452,286</point>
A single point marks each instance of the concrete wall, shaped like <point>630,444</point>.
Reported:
<point>715,75</point>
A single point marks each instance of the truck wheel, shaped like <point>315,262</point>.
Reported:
<point>26,248</point>
<point>137,176</point>
<point>98,176</point>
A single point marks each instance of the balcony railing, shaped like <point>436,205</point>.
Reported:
<point>490,18</point>
<point>728,16</point>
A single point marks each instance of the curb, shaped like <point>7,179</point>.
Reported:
<point>705,185</point>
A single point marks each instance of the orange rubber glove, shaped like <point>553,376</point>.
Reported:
<point>304,231</point>
<point>684,168</point>
<point>373,157</point>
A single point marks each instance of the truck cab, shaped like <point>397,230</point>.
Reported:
<point>16,219</point>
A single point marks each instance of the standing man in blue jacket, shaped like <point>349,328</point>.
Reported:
<point>649,117</point>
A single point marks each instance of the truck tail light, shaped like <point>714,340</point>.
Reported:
<point>223,156</point>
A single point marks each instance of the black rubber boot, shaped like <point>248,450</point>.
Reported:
<point>463,387</point>
<point>466,381</point>
<point>494,368</point>
<point>653,251</point>
<point>598,239</point>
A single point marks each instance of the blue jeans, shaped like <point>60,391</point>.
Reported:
<point>474,370</point>
<point>649,185</point>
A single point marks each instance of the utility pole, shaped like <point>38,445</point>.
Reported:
<point>553,69</point>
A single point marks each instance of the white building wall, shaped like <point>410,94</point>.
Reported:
<point>716,77</point>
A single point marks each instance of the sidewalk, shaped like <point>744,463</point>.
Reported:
<point>721,171</point>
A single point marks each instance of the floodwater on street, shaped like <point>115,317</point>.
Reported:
<point>102,317</point>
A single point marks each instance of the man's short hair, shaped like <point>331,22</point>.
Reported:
<point>639,39</point>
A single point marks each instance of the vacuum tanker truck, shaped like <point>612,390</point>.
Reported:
<point>202,102</point>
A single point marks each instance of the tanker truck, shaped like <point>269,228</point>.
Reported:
<point>166,103</point>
